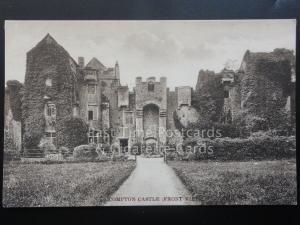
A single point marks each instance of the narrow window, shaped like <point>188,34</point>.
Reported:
<point>92,112</point>
<point>226,94</point>
<point>91,115</point>
<point>51,110</point>
<point>94,136</point>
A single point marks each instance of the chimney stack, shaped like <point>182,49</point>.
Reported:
<point>81,62</point>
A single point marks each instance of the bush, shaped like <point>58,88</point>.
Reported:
<point>102,158</point>
<point>209,129</point>
<point>104,148</point>
<point>85,152</point>
<point>119,157</point>
<point>11,155</point>
<point>136,148</point>
<point>65,151</point>
<point>255,147</point>
<point>47,147</point>
<point>189,157</point>
<point>72,133</point>
<point>255,123</point>
<point>102,152</point>
<point>32,139</point>
<point>172,155</point>
<point>227,130</point>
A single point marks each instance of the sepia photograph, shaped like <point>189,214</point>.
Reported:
<point>149,112</point>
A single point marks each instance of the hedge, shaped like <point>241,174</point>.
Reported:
<point>85,152</point>
<point>252,148</point>
<point>47,147</point>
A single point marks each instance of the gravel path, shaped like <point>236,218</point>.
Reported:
<point>151,183</point>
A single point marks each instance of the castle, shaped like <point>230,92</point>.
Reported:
<point>57,87</point>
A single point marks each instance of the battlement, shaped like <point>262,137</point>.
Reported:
<point>162,80</point>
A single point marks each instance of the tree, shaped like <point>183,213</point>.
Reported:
<point>72,132</point>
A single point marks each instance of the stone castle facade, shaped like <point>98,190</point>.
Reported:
<point>57,87</point>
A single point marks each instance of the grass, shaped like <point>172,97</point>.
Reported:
<point>70,184</point>
<point>241,183</point>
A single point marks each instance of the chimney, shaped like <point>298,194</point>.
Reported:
<point>138,80</point>
<point>81,62</point>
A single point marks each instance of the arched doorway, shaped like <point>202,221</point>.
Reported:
<point>151,125</point>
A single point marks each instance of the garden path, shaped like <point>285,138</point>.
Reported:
<point>151,183</point>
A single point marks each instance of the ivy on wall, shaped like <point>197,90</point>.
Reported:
<point>47,60</point>
<point>14,91</point>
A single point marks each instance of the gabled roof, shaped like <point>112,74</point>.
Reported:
<point>49,40</point>
<point>94,63</point>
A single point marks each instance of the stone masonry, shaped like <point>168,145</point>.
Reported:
<point>57,88</point>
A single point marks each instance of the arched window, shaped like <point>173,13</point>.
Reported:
<point>50,109</point>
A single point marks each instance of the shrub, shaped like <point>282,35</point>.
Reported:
<point>227,130</point>
<point>115,149</point>
<point>11,155</point>
<point>32,139</point>
<point>85,152</point>
<point>207,129</point>
<point>136,148</point>
<point>102,158</point>
<point>102,152</point>
<point>255,123</point>
<point>255,147</point>
<point>72,132</point>
<point>189,156</point>
<point>47,147</point>
<point>119,157</point>
<point>64,151</point>
<point>104,148</point>
<point>172,155</point>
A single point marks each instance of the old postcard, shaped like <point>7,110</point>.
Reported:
<point>109,113</point>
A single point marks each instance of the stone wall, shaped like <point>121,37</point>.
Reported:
<point>184,95</point>
<point>187,115</point>
<point>171,108</point>
<point>151,92</point>
<point>47,60</point>
<point>208,97</point>
<point>88,100</point>
<point>123,96</point>
<point>157,96</point>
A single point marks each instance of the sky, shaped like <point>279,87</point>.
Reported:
<point>173,49</point>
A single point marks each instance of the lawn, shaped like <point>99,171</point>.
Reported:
<point>68,184</point>
<point>231,183</point>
